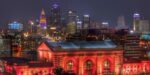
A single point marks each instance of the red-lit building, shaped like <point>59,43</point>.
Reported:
<point>91,58</point>
<point>82,57</point>
<point>136,68</point>
<point>79,57</point>
<point>21,66</point>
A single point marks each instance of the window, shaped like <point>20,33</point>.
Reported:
<point>107,64</point>
<point>69,65</point>
<point>88,65</point>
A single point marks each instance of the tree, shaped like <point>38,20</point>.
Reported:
<point>58,71</point>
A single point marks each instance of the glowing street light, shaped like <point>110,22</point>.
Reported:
<point>131,31</point>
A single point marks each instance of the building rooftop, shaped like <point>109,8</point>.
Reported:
<point>17,60</point>
<point>106,44</point>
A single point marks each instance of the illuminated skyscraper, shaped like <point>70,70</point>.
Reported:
<point>42,29</point>
<point>136,19</point>
<point>71,24</point>
<point>144,26</point>
<point>85,26</point>
<point>86,21</point>
<point>43,22</point>
<point>79,25</point>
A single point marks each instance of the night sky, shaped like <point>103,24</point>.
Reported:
<point>101,10</point>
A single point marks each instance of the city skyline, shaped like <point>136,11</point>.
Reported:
<point>98,10</point>
<point>74,37</point>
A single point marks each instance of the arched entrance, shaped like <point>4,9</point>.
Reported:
<point>69,65</point>
<point>88,67</point>
<point>106,67</point>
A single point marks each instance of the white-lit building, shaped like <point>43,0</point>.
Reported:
<point>79,26</point>
<point>136,20</point>
<point>105,24</point>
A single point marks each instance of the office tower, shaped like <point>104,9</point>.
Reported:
<point>56,15</point>
<point>43,22</point>
<point>85,26</point>
<point>86,22</point>
<point>72,17</point>
<point>144,26</point>
<point>79,26</point>
<point>71,24</point>
<point>71,28</point>
<point>132,47</point>
<point>5,47</point>
<point>121,23</point>
<point>136,19</point>
<point>105,24</point>
<point>15,38</point>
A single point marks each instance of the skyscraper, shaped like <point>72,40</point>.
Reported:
<point>136,19</point>
<point>56,15</point>
<point>71,25</point>
<point>72,16</point>
<point>144,26</point>
<point>86,21</point>
<point>121,23</point>
<point>79,26</point>
<point>85,26</point>
<point>43,22</point>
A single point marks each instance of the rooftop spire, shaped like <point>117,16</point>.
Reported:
<point>43,12</point>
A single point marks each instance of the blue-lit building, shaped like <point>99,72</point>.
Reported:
<point>15,26</point>
<point>145,42</point>
<point>145,37</point>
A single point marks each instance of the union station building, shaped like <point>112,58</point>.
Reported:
<point>90,58</point>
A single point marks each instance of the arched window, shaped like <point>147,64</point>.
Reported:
<point>88,65</point>
<point>106,64</point>
<point>69,65</point>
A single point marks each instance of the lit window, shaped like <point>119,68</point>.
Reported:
<point>69,65</point>
<point>88,65</point>
<point>106,64</point>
